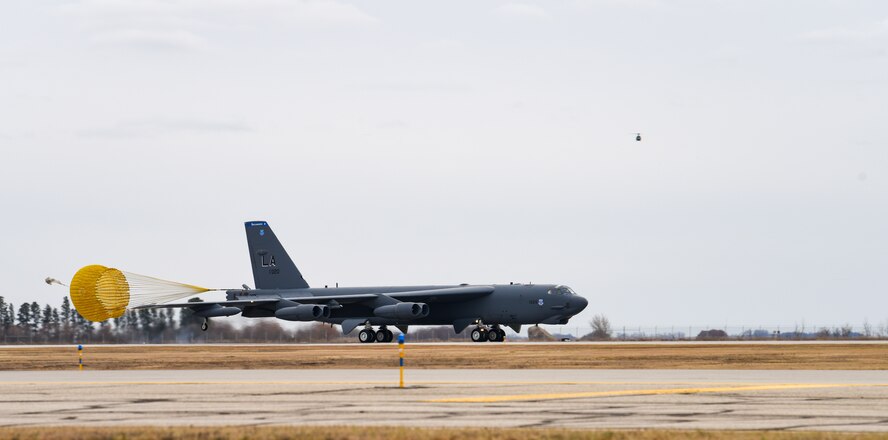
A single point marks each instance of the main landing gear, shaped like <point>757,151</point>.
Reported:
<point>367,335</point>
<point>483,333</point>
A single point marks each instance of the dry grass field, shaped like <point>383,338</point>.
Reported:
<point>396,433</point>
<point>568,355</point>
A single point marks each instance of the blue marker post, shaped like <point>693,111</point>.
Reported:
<point>401,356</point>
<point>80,355</point>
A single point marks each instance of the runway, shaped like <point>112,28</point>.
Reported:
<point>667,399</point>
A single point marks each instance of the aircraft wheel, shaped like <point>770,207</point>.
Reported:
<point>494,335</point>
<point>479,335</point>
<point>502,336</point>
<point>382,336</point>
<point>205,325</point>
<point>389,336</point>
<point>367,336</point>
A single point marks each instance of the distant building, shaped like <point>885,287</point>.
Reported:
<point>712,335</point>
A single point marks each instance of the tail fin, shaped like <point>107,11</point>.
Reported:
<point>272,267</point>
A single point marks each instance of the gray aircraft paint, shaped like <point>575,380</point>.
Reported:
<point>272,266</point>
<point>279,284</point>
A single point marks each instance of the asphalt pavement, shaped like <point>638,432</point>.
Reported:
<point>674,399</point>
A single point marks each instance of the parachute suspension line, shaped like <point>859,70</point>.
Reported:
<point>100,293</point>
<point>145,290</point>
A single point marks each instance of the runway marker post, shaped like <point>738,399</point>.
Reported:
<point>80,356</point>
<point>401,356</point>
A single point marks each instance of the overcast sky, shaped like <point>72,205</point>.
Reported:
<point>405,142</point>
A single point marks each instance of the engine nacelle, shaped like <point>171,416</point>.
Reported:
<point>303,312</point>
<point>404,310</point>
<point>214,311</point>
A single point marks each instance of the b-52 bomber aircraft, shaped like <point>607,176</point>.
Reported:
<point>281,291</point>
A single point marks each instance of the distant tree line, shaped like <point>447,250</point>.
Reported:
<point>602,330</point>
<point>31,323</point>
<point>34,323</point>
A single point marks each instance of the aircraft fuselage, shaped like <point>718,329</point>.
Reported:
<point>508,304</point>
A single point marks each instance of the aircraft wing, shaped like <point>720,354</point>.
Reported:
<point>342,299</point>
<point>443,295</point>
<point>235,303</point>
<point>448,294</point>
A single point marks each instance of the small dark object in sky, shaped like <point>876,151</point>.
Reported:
<point>51,281</point>
<point>638,137</point>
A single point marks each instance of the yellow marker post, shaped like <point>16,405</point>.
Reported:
<point>401,356</point>
<point>80,355</point>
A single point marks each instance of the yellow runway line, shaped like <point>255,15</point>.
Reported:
<point>649,392</point>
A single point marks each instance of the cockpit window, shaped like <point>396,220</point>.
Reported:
<point>563,290</point>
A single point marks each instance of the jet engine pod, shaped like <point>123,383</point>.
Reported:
<point>303,312</point>
<point>404,310</point>
<point>214,311</point>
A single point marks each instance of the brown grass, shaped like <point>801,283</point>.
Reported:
<point>568,355</point>
<point>399,433</point>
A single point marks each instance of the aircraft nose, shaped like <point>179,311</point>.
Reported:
<point>581,303</point>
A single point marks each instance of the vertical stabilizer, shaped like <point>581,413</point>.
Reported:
<point>272,266</point>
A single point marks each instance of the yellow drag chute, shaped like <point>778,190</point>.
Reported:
<point>100,293</point>
<point>83,293</point>
<point>113,292</point>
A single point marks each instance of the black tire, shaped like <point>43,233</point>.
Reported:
<point>494,335</point>
<point>478,335</point>
<point>502,336</point>
<point>204,326</point>
<point>389,336</point>
<point>382,336</point>
<point>367,336</point>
